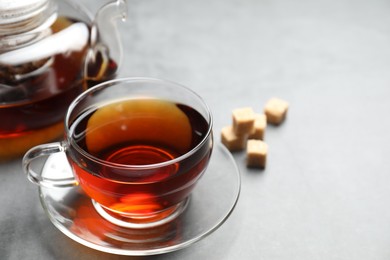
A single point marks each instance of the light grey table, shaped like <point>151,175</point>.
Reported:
<point>325,193</point>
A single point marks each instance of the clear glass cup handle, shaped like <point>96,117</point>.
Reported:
<point>46,150</point>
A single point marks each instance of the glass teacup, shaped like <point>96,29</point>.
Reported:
<point>136,146</point>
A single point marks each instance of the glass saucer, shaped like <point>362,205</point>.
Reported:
<point>211,203</point>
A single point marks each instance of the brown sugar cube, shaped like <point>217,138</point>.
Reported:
<point>259,127</point>
<point>243,120</point>
<point>256,153</point>
<point>275,110</point>
<point>232,141</point>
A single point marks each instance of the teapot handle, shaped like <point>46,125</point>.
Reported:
<point>106,44</point>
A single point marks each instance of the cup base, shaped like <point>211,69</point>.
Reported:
<point>140,222</point>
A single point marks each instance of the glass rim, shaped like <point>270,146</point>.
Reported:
<point>82,96</point>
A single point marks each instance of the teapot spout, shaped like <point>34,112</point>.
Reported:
<point>105,41</point>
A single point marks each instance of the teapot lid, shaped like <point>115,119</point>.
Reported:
<point>14,11</point>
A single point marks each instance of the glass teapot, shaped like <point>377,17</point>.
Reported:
<point>50,51</point>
